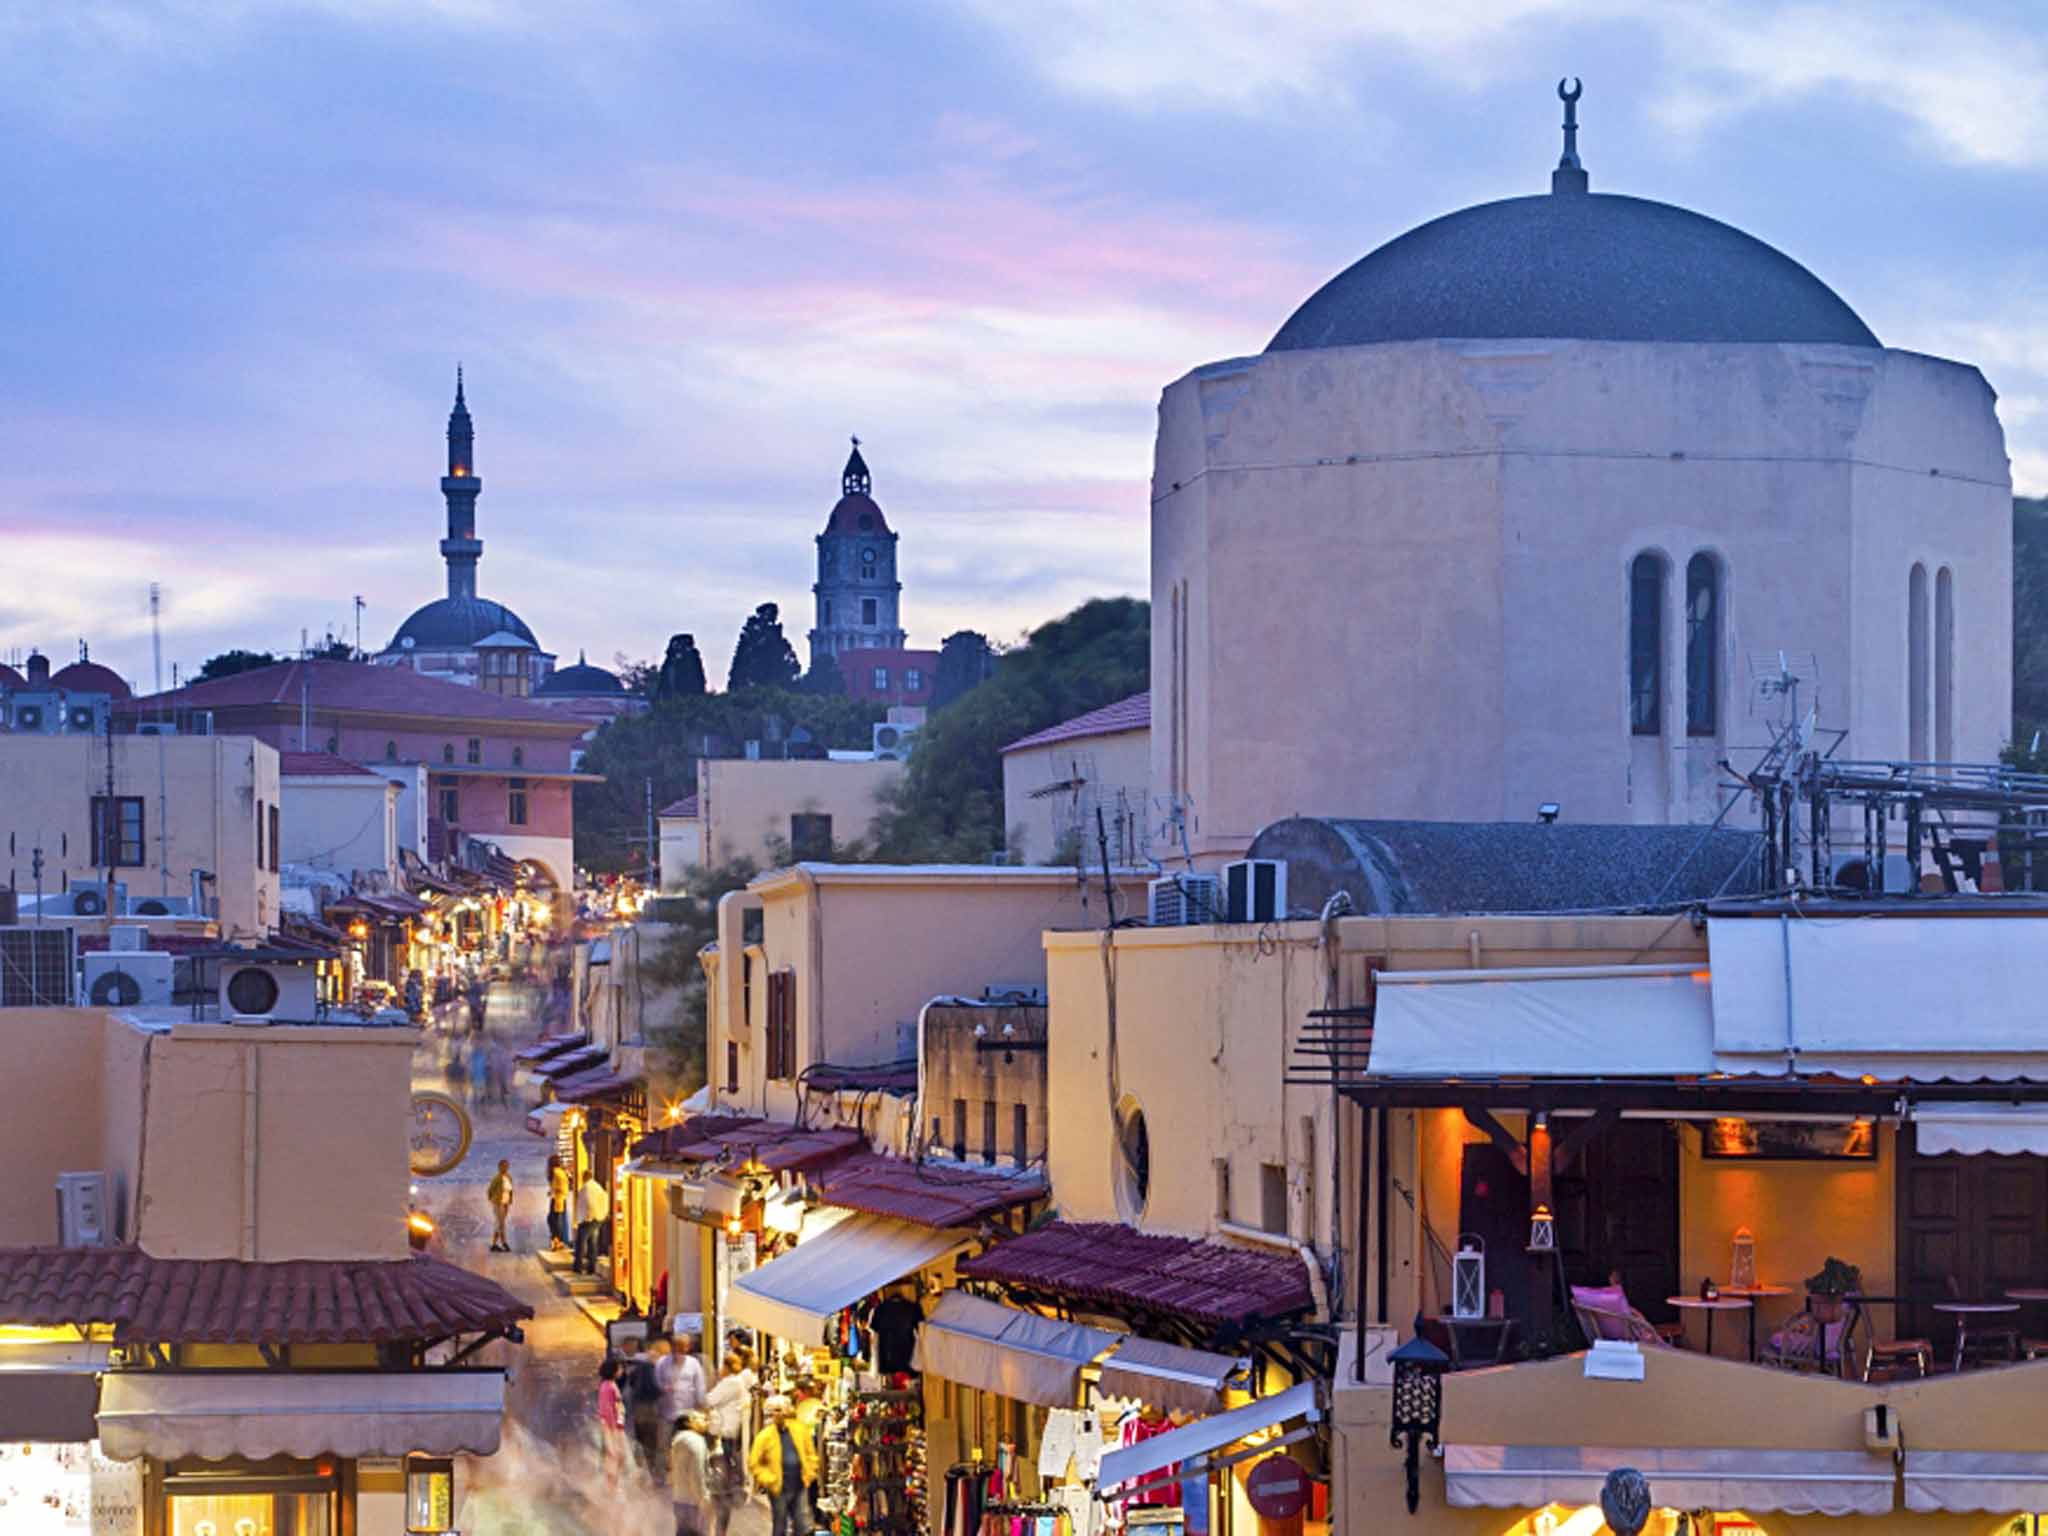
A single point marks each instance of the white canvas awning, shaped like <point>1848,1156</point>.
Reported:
<point>1591,1021</point>
<point>795,1296</point>
<point>1008,1351</point>
<point>2003,1128</point>
<point>1976,1482</point>
<point>1902,999</point>
<point>1167,1376</point>
<point>1191,1442</point>
<point>216,1414</point>
<point>1760,1482</point>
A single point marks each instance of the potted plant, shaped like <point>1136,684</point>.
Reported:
<point>1825,1290</point>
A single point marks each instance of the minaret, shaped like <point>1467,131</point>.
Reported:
<point>462,548</point>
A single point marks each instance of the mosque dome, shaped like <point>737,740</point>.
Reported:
<point>90,677</point>
<point>1575,266</point>
<point>582,680</point>
<point>457,623</point>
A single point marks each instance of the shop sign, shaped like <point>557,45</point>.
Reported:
<point>1736,1525</point>
<point>57,1490</point>
<point>1277,1488</point>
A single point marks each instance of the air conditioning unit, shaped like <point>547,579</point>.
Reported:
<point>88,719</point>
<point>1851,871</point>
<point>1256,890</point>
<point>91,898</point>
<point>1180,900</point>
<point>893,741</point>
<point>28,717</point>
<point>267,992</point>
<point>85,1210</point>
<point>158,906</point>
<point>127,980</point>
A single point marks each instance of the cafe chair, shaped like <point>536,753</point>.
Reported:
<point>1604,1312</point>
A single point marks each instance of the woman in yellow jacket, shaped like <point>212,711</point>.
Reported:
<point>784,1463</point>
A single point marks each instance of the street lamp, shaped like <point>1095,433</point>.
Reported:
<point>1418,1405</point>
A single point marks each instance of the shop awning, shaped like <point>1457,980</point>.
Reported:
<point>216,1414</point>
<point>1853,997</point>
<point>1609,1021</point>
<point>2002,1128</point>
<point>597,1083</point>
<point>1191,1442</point>
<point>582,1059</point>
<point>1976,1482</point>
<point>1756,1481</point>
<point>794,1296</point>
<point>553,1045</point>
<point>48,1391</point>
<point>1008,1351</point>
<point>1167,1376</point>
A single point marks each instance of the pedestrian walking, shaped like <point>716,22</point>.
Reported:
<point>558,1205</point>
<point>592,1227</point>
<point>479,1072</point>
<point>643,1409</point>
<point>689,1465</point>
<point>501,1073</point>
<point>727,1403</point>
<point>683,1386</point>
<point>611,1421</point>
<point>784,1463</point>
<point>499,1193</point>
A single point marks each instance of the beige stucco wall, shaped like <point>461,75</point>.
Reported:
<point>287,1142</point>
<point>1114,771</point>
<point>743,806</point>
<point>871,945</point>
<point>1465,514</point>
<point>210,788</point>
<point>345,822</point>
<point>682,850</point>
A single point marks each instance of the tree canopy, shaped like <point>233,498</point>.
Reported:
<point>682,670</point>
<point>228,663</point>
<point>966,659</point>
<point>949,804</point>
<point>763,657</point>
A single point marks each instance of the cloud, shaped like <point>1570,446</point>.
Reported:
<point>1971,85</point>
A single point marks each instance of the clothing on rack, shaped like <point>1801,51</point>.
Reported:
<point>1156,1488</point>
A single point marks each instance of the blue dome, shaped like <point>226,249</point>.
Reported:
<point>451,623</point>
<point>1575,266</point>
<point>582,678</point>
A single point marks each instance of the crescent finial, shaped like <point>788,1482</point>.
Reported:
<point>1578,89</point>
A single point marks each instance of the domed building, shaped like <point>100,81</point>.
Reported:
<point>859,620</point>
<point>1533,503</point>
<point>464,638</point>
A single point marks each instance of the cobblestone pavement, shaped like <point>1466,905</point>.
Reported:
<point>546,1477</point>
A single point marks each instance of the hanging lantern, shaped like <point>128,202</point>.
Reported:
<point>1418,1405</point>
<point>1468,1276</point>
<point>1742,1265</point>
<point>1542,1230</point>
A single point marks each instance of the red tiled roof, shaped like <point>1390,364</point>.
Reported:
<point>582,1059</point>
<point>1132,714</point>
<point>927,1194</point>
<point>354,685</point>
<point>597,1083</point>
<point>306,765</point>
<point>1106,1262</point>
<point>555,1045</point>
<point>225,1301</point>
<point>772,1144</point>
<point>687,806</point>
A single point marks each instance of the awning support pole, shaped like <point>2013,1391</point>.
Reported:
<point>1365,1119</point>
<point>1542,1286</point>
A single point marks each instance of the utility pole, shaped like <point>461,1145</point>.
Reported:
<point>163,793</point>
<point>359,626</point>
<point>652,846</point>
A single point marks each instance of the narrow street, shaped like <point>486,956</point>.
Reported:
<point>546,1477</point>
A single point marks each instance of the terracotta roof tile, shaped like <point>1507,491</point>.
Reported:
<point>225,1301</point>
<point>772,1144</point>
<point>929,1194</point>
<point>351,685</point>
<point>1110,1263</point>
<point>687,806</point>
<point>597,1083</point>
<point>1132,714</point>
<point>306,765</point>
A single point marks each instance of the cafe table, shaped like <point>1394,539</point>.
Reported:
<point>1755,1293</point>
<point>1721,1303</point>
<point>1963,1311</point>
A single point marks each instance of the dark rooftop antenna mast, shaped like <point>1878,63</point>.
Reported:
<point>1570,176</point>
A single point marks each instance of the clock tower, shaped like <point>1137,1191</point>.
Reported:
<point>857,594</point>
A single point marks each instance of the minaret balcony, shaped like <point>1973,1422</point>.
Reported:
<point>456,549</point>
<point>467,485</point>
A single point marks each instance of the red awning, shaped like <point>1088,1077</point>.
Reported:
<point>1110,1263</point>
<point>599,1083</point>
<point>773,1145</point>
<point>580,1060</point>
<point>931,1194</point>
<point>225,1301</point>
<point>555,1045</point>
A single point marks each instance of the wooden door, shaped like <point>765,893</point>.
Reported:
<point>1968,1227</point>
<point>1618,1214</point>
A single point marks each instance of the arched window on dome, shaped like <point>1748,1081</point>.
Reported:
<point>1916,664</point>
<point>1646,645</point>
<point>867,564</point>
<point>1702,645</point>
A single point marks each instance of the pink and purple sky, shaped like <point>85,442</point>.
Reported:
<point>684,249</point>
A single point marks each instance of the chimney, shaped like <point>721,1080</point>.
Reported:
<point>38,671</point>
